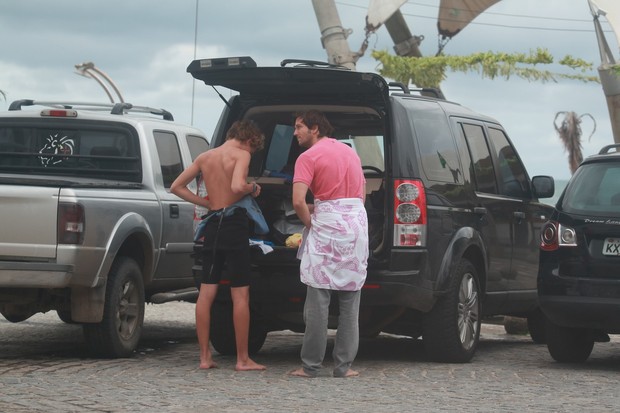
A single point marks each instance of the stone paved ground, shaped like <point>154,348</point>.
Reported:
<point>44,367</point>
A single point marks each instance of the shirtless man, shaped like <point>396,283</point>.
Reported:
<point>225,172</point>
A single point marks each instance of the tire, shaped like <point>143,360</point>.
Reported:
<point>537,326</point>
<point>452,328</point>
<point>65,316</point>
<point>118,333</point>
<point>569,345</point>
<point>222,333</point>
<point>16,316</point>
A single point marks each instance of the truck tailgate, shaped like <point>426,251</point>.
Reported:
<point>28,221</point>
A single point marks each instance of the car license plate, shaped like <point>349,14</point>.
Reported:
<point>611,246</point>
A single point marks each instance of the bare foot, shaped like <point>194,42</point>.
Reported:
<point>300,373</point>
<point>210,364</point>
<point>249,365</point>
<point>351,373</point>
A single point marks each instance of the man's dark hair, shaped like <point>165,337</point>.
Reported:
<point>312,118</point>
<point>247,130</point>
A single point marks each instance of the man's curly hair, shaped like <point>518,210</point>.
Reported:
<point>247,130</point>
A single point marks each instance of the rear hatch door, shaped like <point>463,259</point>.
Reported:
<point>299,83</point>
<point>591,206</point>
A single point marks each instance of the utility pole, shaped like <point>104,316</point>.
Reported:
<point>405,44</point>
<point>609,80</point>
<point>333,36</point>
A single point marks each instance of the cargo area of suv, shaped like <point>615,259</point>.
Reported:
<point>453,215</point>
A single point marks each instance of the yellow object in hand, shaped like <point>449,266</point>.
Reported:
<point>293,241</point>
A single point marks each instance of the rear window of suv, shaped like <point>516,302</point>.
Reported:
<point>64,151</point>
<point>594,189</point>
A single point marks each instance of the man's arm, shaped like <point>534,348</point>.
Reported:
<point>180,189</point>
<point>239,183</point>
<point>299,203</point>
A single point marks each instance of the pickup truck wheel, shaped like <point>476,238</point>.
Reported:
<point>222,333</point>
<point>452,328</point>
<point>118,334</point>
<point>569,345</point>
<point>16,316</point>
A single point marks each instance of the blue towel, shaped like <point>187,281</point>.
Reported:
<point>253,210</point>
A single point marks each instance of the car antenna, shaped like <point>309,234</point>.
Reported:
<point>222,97</point>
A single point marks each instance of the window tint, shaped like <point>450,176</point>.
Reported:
<point>481,158</point>
<point>595,188</point>
<point>63,151</point>
<point>197,145</point>
<point>437,148</point>
<point>512,176</point>
<point>169,156</point>
<point>468,168</point>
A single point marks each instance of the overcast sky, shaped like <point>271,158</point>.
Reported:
<point>145,47</point>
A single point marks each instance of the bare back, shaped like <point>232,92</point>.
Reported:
<point>225,169</point>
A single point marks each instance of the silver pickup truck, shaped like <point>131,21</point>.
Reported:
<point>88,226</point>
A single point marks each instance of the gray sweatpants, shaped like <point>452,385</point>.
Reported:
<point>316,312</point>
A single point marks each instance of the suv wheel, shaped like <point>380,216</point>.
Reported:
<point>222,333</point>
<point>569,345</point>
<point>536,325</point>
<point>452,328</point>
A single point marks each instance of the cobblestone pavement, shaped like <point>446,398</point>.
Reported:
<point>44,367</point>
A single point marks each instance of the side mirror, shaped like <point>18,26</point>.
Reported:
<point>544,186</point>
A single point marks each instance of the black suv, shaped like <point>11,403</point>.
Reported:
<point>579,273</point>
<point>454,219</point>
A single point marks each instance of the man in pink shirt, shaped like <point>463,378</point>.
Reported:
<point>334,250</point>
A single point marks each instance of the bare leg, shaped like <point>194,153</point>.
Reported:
<point>203,323</point>
<point>241,319</point>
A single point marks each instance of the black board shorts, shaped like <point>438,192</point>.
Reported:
<point>226,249</point>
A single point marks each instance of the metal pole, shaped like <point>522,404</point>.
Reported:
<point>88,69</point>
<point>609,80</point>
<point>86,73</point>
<point>333,36</point>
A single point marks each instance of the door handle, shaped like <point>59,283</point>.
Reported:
<point>519,215</point>
<point>480,210</point>
<point>174,211</point>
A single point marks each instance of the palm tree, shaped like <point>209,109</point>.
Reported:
<point>569,132</point>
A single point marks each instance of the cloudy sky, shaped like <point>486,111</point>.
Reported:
<point>145,47</point>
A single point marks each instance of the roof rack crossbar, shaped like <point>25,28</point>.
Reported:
<point>114,108</point>
<point>311,63</point>
<point>605,149</point>
<point>400,86</point>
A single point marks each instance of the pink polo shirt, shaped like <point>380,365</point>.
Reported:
<point>331,169</point>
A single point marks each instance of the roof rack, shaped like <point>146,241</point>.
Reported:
<point>113,108</point>
<point>401,86</point>
<point>606,148</point>
<point>424,91</point>
<point>311,63</point>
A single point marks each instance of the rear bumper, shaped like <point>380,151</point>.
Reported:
<point>34,275</point>
<point>583,312</point>
<point>580,302</point>
<point>276,285</point>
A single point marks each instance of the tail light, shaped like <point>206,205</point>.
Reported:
<point>70,223</point>
<point>555,235</point>
<point>59,113</point>
<point>409,213</point>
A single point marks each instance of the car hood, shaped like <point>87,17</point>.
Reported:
<point>278,82</point>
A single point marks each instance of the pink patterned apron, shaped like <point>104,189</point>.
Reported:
<point>334,252</point>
